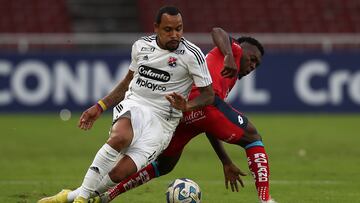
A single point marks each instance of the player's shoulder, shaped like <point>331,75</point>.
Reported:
<point>145,40</point>
<point>189,45</point>
<point>145,43</point>
<point>192,50</point>
<point>149,38</point>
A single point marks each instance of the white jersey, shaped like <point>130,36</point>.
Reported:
<point>158,72</point>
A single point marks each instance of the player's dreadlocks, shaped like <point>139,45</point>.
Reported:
<point>252,41</point>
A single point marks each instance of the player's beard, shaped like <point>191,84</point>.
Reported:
<point>172,45</point>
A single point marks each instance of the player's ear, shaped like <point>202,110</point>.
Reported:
<point>156,27</point>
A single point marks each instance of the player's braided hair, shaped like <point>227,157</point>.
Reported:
<point>171,10</point>
<point>252,41</point>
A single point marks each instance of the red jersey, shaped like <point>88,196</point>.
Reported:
<point>215,62</point>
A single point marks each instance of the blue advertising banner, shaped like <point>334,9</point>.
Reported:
<point>50,82</point>
<point>285,82</point>
<point>293,82</point>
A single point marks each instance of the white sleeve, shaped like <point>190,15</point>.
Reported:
<point>198,69</point>
<point>134,51</point>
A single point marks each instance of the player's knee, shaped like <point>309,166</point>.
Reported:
<point>116,175</point>
<point>165,169</point>
<point>119,139</point>
<point>250,135</point>
<point>254,137</point>
<point>166,164</point>
<point>249,138</point>
<point>118,142</point>
<point>123,169</point>
<point>250,129</point>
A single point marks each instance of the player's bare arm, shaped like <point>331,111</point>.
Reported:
<point>231,172</point>
<point>118,93</point>
<point>89,116</point>
<point>179,102</point>
<point>222,41</point>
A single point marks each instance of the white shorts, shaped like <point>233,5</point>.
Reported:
<point>152,132</point>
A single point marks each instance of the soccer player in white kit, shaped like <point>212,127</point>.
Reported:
<point>148,102</point>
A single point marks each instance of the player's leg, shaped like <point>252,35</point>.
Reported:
<point>121,135</point>
<point>171,155</point>
<point>235,128</point>
<point>151,171</point>
<point>164,164</point>
<point>258,161</point>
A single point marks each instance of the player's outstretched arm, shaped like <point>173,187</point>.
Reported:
<point>118,93</point>
<point>89,116</point>
<point>231,172</point>
<point>222,40</point>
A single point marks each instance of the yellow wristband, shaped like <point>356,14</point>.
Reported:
<point>102,105</point>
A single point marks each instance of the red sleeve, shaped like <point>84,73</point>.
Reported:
<point>215,63</point>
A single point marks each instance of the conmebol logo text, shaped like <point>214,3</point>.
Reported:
<point>154,74</point>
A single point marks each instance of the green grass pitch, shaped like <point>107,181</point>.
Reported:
<point>313,158</point>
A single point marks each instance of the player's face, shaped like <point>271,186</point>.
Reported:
<point>169,31</point>
<point>250,59</point>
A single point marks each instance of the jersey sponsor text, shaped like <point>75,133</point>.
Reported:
<point>154,73</point>
<point>150,85</point>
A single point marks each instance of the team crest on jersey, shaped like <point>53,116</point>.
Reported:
<point>172,61</point>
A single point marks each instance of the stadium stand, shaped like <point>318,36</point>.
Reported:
<point>66,16</point>
<point>275,16</point>
<point>72,17</point>
<point>104,16</point>
<point>267,16</point>
<point>34,16</point>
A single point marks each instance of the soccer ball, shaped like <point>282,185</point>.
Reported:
<point>183,190</point>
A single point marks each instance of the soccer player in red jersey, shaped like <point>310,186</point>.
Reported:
<point>229,58</point>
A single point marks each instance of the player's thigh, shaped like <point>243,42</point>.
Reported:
<point>147,146</point>
<point>150,134</point>
<point>225,123</point>
<point>182,136</point>
<point>121,134</point>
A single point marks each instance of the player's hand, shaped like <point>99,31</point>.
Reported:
<point>177,101</point>
<point>88,117</point>
<point>233,175</point>
<point>230,68</point>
